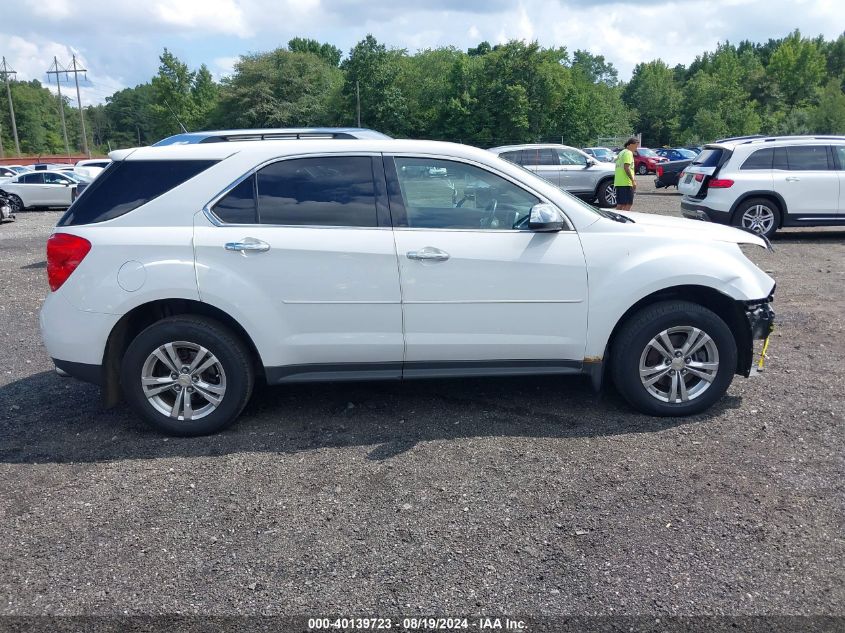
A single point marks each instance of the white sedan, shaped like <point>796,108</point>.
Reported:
<point>40,189</point>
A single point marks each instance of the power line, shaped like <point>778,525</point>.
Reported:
<point>55,69</point>
<point>6,71</point>
<point>76,70</point>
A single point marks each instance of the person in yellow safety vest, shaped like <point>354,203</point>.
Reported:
<point>624,180</point>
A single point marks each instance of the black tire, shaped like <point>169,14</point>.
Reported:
<point>606,196</point>
<point>237,376</point>
<point>632,345</point>
<point>15,203</point>
<point>642,169</point>
<point>769,218</point>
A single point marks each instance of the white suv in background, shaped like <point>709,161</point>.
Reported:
<point>567,167</point>
<point>183,274</point>
<point>763,184</point>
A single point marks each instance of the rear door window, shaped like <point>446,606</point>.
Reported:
<point>807,158</point>
<point>32,179</point>
<point>322,191</point>
<point>126,185</point>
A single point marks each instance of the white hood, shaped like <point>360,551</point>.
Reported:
<point>696,228</point>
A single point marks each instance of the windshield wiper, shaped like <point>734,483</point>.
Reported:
<point>617,217</point>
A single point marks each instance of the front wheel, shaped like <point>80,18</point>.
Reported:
<point>15,203</point>
<point>673,358</point>
<point>187,375</point>
<point>607,194</point>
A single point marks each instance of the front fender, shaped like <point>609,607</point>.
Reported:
<point>622,276</point>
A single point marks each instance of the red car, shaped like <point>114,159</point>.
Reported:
<point>645,161</point>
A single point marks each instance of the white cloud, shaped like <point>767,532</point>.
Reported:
<point>223,66</point>
<point>219,16</point>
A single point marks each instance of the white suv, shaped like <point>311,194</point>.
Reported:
<point>763,184</point>
<point>185,273</point>
<point>567,167</point>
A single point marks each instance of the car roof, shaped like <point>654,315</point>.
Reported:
<point>275,148</point>
<point>758,141</point>
<point>43,171</point>
<point>511,148</point>
<point>265,134</point>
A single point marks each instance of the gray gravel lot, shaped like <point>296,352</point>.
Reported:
<point>502,496</point>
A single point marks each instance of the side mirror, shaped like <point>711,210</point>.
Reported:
<point>591,162</point>
<point>545,217</point>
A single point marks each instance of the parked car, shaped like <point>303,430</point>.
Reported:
<point>40,189</point>
<point>678,153</point>
<point>91,168</point>
<point>763,184</point>
<point>18,169</point>
<point>270,134</point>
<point>323,261</point>
<point>694,148</point>
<point>668,172</point>
<point>646,161</point>
<point>567,167</point>
<point>603,154</point>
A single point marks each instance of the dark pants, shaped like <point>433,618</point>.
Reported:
<point>624,195</point>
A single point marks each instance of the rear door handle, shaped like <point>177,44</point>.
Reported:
<point>792,179</point>
<point>428,254</point>
<point>248,244</point>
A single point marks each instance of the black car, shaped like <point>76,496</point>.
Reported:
<point>669,172</point>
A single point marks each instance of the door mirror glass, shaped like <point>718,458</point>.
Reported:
<point>546,217</point>
<point>591,162</point>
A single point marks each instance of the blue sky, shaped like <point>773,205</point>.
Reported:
<point>119,41</point>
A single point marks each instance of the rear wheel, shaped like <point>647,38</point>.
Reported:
<point>607,194</point>
<point>758,215</point>
<point>642,169</point>
<point>187,376</point>
<point>673,358</point>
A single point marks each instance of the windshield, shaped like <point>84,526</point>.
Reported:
<point>644,151</point>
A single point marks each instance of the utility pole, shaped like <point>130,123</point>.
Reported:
<point>6,71</point>
<point>2,153</point>
<point>55,71</point>
<point>358,101</point>
<point>76,70</point>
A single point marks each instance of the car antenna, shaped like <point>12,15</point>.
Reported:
<point>184,129</point>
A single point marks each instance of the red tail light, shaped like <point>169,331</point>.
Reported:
<point>720,183</point>
<point>64,253</point>
<point>659,170</point>
<point>699,177</point>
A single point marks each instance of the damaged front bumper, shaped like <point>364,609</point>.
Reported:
<point>760,318</point>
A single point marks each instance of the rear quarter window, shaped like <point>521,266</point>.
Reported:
<point>761,159</point>
<point>126,185</point>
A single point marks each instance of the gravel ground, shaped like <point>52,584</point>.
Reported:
<point>501,496</point>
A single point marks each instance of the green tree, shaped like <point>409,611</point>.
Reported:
<point>328,52</point>
<point>205,94</point>
<point>829,116</point>
<point>172,105</point>
<point>655,99</point>
<point>373,70</point>
<point>279,89</point>
<point>797,67</point>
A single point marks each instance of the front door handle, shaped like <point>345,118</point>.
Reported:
<point>428,254</point>
<point>792,179</point>
<point>249,244</point>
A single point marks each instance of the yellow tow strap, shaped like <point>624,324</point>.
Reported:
<point>763,353</point>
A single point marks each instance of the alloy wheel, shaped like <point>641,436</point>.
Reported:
<point>679,364</point>
<point>610,195</point>
<point>758,219</point>
<point>183,381</point>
